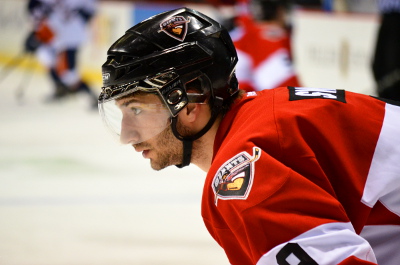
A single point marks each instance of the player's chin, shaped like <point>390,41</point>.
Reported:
<point>155,165</point>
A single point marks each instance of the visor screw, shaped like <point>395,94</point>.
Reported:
<point>107,91</point>
<point>174,96</point>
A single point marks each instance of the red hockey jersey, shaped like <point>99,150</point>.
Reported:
<point>264,54</point>
<point>306,176</point>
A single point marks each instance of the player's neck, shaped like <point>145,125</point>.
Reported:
<point>203,148</point>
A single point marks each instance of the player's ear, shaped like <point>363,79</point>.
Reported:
<point>191,112</point>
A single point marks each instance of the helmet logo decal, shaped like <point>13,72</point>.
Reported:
<point>175,27</point>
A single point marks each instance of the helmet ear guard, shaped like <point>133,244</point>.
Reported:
<point>171,90</point>
<point>177,91</point>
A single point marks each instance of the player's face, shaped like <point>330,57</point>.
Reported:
<point>142,117</point>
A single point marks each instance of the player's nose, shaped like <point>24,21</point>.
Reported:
<point>129,133</point>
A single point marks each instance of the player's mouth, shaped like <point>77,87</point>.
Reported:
<point>145,152</point>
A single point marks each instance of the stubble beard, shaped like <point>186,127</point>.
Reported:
<point>169,150</point>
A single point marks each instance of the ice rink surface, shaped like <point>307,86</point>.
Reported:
<point>71,195</point>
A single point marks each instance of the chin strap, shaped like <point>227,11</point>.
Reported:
<point>187,153</point>
<point>188,140</point>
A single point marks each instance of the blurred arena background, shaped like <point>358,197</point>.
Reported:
<point>71,195</point>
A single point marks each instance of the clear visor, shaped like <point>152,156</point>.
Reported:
<point>136,117</point>
<point>136,112</point>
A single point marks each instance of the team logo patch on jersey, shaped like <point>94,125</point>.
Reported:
<point>175,27</point>
<point>297,93</point>
<point>234,179</point>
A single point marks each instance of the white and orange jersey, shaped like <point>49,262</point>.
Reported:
<point>68,23</point>
<point>63,25</point>
<point>306,176</point>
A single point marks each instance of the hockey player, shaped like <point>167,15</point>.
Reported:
<point>294,175</point>
<point>263,44</point>
<point>59,30</point>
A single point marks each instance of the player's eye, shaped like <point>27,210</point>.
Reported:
<point>136,111</point>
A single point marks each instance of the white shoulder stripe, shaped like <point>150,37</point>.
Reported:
<point>383,182</point>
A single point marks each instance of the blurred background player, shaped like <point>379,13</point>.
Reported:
<point>386,61</point>
<point>59,30</point>
<point>262,38</point>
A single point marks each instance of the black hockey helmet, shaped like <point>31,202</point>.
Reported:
<point>166,53</point>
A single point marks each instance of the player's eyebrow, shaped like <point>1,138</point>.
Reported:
<point>129,101</point>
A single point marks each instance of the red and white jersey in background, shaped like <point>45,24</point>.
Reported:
<point>264,53</point>
<point>298,174</point>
